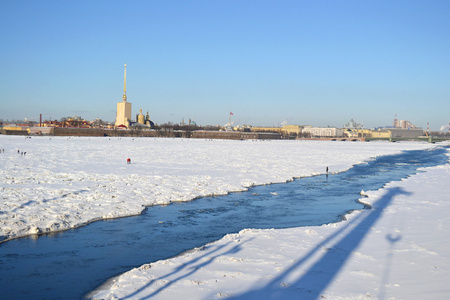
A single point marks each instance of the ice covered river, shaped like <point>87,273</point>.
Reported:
<point>69,264</point>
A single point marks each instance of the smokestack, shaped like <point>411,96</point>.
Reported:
<point>40,120</point>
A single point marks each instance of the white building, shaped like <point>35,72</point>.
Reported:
<point>324,131</point>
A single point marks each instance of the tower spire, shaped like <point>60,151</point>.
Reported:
<point>125,85</point>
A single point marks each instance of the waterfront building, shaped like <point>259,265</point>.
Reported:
<point>357,133</point>
<point>266,129</point>
<point>381,134</point>
<point>292,129</point>
<point>325,132</point>
<point>142,121</point>
<point>140,118</point>
<point>406,133</point>
<point>403,124</point>
<point>123,117</point>
<point>149,122</point>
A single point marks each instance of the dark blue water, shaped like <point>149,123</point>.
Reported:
<point>69,264</point>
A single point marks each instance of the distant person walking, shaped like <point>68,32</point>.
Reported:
<point>327,169</point>
<point>128,161</point>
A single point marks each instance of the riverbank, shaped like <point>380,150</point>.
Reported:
<point>50,184</point>
<point>396,250</point>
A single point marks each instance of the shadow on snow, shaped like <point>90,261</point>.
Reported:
<point>315,280</point>
<point>186,269</point>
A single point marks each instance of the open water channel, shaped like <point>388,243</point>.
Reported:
<point>69,264</point>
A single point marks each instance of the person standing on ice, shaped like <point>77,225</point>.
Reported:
<point>327,169</point>
<point>128,161</point>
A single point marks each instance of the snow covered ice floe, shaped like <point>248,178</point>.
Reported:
<point>65,182</point>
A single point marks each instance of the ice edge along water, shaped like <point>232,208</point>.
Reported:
<point>249,163</point>
<point>26,223</point>
<point>368,272</point>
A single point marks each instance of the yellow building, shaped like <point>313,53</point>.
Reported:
<point>358,133</point>
<point>17,128</point>
<point>367,133</point>
<point>123,116</point>
<point>286,130</point>
<point>266,129</point>
<point>381,134</point>
<point>292,129</point>
<point>140,118</point>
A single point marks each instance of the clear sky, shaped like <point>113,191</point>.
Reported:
<point>308,62</point>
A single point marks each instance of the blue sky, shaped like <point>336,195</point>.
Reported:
<point>307,62</point>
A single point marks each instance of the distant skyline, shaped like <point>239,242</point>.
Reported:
<point>306,62</point>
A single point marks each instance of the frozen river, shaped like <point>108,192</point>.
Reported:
<point>69,264</point>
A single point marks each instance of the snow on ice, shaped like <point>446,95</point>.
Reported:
<point>65,182</point>
<point>396,250</point>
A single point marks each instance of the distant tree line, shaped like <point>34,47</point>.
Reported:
<point>175,126</point>
<point>443,134</point>
<point>30,122</point>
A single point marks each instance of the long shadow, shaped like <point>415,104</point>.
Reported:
<point>321,273</point>
<point>187,269</point>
